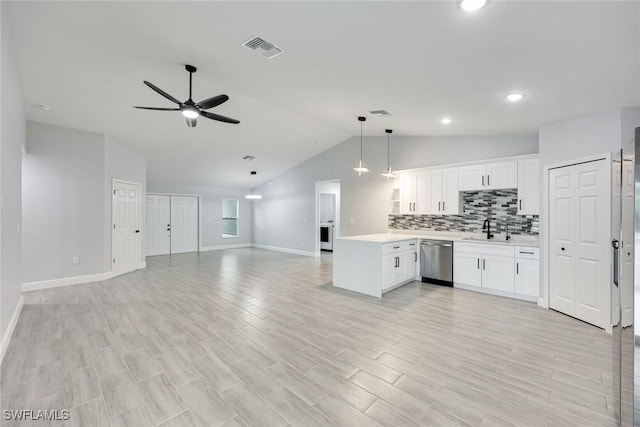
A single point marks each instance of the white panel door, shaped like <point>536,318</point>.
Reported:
<point>528,187</point>
<point>497,273</point>
<point>421,186</point>
<point>407,182</point>
<point>471,177</point>
<point>466,269</point>
<point>184,224</point>
<point>434,192</point>
<point>579,229</point>
<point>389,267</point>
<point>502,175</point>
<point>593,224</point>
<point>126,237</point>
<point>450,192</point>
<point>158,225</point>
<point>407,267</point>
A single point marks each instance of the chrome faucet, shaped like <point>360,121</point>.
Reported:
<point>487,226</point>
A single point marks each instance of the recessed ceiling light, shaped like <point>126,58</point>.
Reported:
<point>252,196</point>
<point>472,5</point>
<point>446,121</point>
<point>515,97</point>
<point>44,107</point>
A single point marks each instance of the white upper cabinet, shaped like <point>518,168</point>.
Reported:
<point>421,206</point>
<point>471,178</point>
<point>528,187</point>
<point>502,175</point>
<point>490,176</point>
<point>443,195</point>
<point>413,192</point>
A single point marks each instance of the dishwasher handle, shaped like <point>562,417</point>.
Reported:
<point>446,245</point>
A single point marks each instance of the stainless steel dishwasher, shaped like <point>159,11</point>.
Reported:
<point>436,261</point>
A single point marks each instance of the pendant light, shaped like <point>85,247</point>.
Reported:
<point>388,174</point>
<point>361,168</point>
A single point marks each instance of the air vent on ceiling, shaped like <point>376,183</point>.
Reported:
<point>249,158</point>
<point>260,45</point>
<point>380,113</point>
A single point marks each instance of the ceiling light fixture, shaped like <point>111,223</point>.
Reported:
<point>361,168</point>
<point>515,97</point>
<point>190,113</point>
<point>446,121</point>
<point>472,5</point>
<point>252,196</point>
<point>388,174</point>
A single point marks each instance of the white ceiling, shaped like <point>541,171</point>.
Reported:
<point>418,60</point>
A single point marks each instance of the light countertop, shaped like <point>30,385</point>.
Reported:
<point>399,235</point>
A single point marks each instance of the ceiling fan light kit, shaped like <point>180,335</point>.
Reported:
<point>189,109</point>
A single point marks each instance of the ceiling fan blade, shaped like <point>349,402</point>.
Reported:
<point>191,122</point>
<point>157,108</point>
<point>214,101</point>
<point>219,117</point>
<point>161,92</point>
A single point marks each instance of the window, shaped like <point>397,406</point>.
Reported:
<point>230,217</point>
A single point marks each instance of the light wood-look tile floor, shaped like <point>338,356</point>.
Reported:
<point>252,337</point>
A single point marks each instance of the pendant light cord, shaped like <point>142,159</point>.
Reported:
<point>388,161</point>
<point>361,142</point>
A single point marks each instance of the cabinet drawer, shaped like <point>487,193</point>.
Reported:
<point>527,252</point>
<point>484,249</point>
<point>406,245</point>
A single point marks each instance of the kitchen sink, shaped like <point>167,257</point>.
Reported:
<point>484,239</point>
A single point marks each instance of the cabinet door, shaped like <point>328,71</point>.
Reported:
<point>450,192</point>
<point>389,267</point>
<point>407,268</point>
<point>421,185</point>
<point>527,277</point>
<point>434,192</point>
<point>466,268</point>
<point>498,272</point>
<point>407,192</point>
<point>502,175</point>
<point>471,177</point>
<point>528,187</point>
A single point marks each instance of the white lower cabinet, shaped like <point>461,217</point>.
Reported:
<point>496,269</point>
<point>399,266</point>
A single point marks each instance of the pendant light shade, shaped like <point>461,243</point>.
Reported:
<point>388,174</point>
<point>361,167</point>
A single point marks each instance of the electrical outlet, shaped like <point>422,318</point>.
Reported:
<point>75,260</point>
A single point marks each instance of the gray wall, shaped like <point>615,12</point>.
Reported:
<point>211,211</point>
<point>285,216</point>
<point>67,193</point>
<point>63,210</point>
<point>12,139</point>
<point>124,164</point>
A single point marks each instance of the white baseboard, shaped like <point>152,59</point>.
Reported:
<point>6,337</point>
<point>286,250</point>
<point>66,281</point>
<point>543,303</point>
<point>230,246</point>
<point>495,292</point>
<point>142,265</point>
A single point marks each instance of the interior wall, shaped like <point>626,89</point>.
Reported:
<point>63,203</point>
<point>211,211</point>
<point>121,163</point>
<point>12,140</point>
<point>285,216</point>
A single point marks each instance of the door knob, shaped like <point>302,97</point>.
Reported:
<point>137,231</point>
<point>562,249</point>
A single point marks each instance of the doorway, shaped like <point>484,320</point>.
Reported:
<point>126,220</point>
<point>172,224</point>
<point>327,217</point>
<point>579,241</point>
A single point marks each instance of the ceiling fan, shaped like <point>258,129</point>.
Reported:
<point>191,110</point>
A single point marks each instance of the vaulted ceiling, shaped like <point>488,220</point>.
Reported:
<point>420,61</point>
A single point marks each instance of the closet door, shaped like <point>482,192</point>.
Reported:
<point>184,224</point>
<point>579,228</point>
<point>158,225</point>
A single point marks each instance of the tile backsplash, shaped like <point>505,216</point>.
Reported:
<point>499,206</point>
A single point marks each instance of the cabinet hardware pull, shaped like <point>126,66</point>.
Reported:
<point>484,266</point>
<point>478,263</point>
<point>438,206</point>
<point>443,206</point>
<point>520,201</point>
<point>415,257</point>
<point>523,252</point>
<point>517,268</point>
<point>396,247</point>
<point>483,180</point>
<point>488,177</point>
